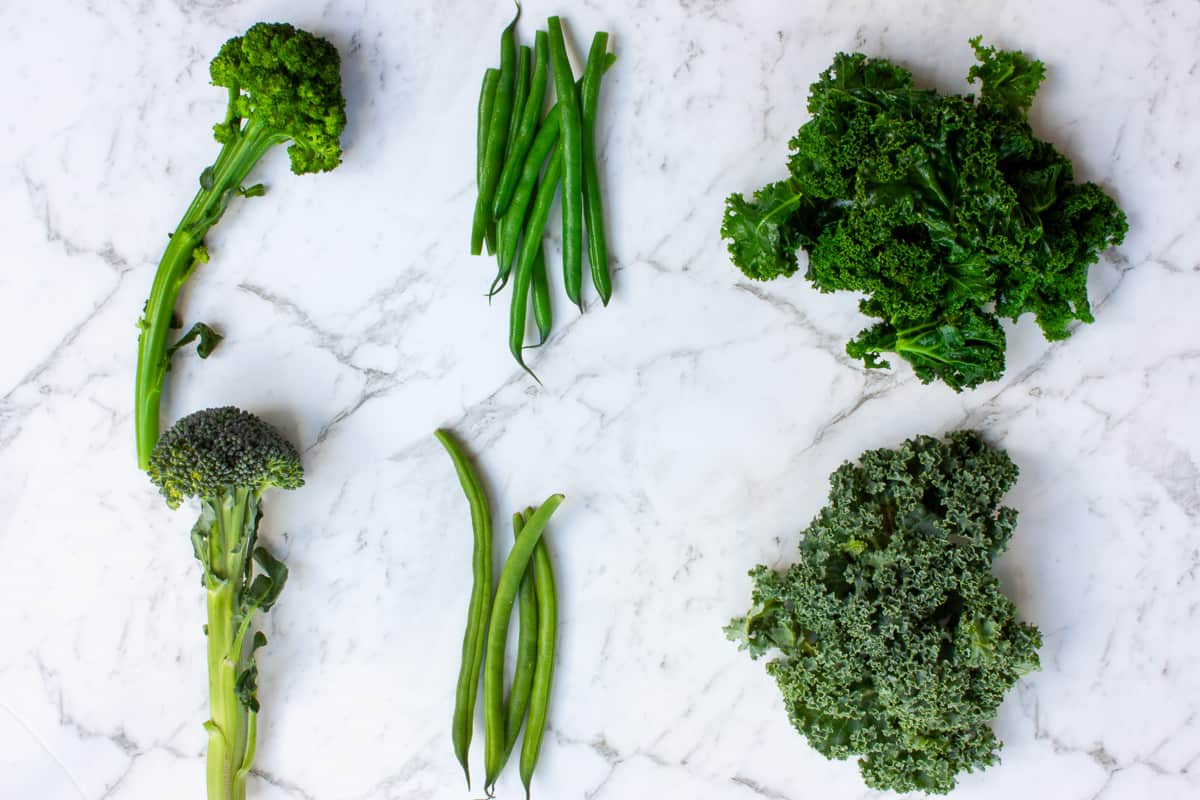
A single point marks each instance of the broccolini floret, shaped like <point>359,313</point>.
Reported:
<point>284,86</point>
<point>226,458</point>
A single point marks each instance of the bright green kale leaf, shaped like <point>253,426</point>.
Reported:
<point>893,640</point>
<point>947,213</point>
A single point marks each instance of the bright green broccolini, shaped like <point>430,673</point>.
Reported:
<point>227,458</point>
<point>284,86</point>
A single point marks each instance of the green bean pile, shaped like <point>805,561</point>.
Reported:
<point>527,582</point>
<point>514,142</point>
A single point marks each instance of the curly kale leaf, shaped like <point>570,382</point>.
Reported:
<point>945,211</point>
<point>893,640</point>
<point>962,351</point>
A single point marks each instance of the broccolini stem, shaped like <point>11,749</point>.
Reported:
<point>184,252</point>
<point>231,724</point>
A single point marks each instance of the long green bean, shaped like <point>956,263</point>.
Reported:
<point>497,136</point>
<point>487,99</point>
<point>493,668</point>
<point>514,217</point>
<point>462,725</point>
<point>593,208</point>
<point>539,699</point>
<point>530,116</point>
<point>530,245</point>
<point>572,150</point>
<point>522,682</point>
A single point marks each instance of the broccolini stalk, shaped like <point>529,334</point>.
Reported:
<point>227,458</point>
<point>284,85</point>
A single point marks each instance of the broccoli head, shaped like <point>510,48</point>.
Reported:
<point>894,641</point>
<point>285,84</point>
<point>219,449</point>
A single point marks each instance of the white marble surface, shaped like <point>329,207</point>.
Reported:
<point>691,424</point>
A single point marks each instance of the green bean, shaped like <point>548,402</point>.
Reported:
<point>522,88</point>
<point>487,99</point>
<point>520,95</point>
<point>496,137</point>
<point>502,605</point>
<point>522,682</point>
<point>529,115</point>
<point>572,150</point>
<point>543,311</point>
<point>514,217</point>
<point>477,613</point>
<point>530,245</point>
<point>539,699</point>
<point>593,208</point>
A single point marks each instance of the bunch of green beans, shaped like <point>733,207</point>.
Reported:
<point>523,156</point>
<point>527,582</point>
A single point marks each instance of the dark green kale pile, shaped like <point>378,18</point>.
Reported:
<point>894,642</point>
<point>946,212</point>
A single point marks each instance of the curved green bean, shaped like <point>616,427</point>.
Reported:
<point>572,149</point>
<point>496,137</point>
<point>593,208</point>
<point>530,245</point>
<point>543,309</point>
<point>543,674</point>
<point>522,682</point>
<point>502,605</point>
<point>514,219</point>
<point>477,614</point>
<point>530,116</point>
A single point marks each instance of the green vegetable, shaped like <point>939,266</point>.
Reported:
<point>463,723</point>
<point>530,115</point>
<point>894,641</point>
<point>522,682</point>
<point>945,211</point>
<point>497,136</point>
<point>571,137</point>
<point>227,458</point>
<point>539,701</point>
<point>543,307</point>
<point>493,667</point>
<point>593,206</point>
<point>531,245</point>
<point>487,101</point>
<point>284,85</point>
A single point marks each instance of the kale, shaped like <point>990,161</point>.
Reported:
<point>894,641</point>
<point>944,210</point>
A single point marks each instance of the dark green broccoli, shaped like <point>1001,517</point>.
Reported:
<point>226,458</point>
<point>284,86</point>
<point>946,212</point>
<point>894,641</point>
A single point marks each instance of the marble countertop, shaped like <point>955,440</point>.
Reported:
<point>691,424</point>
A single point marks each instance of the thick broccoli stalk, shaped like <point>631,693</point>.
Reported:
<point>226,458</point>
<point>894,641</point>
<point>284,85</point>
